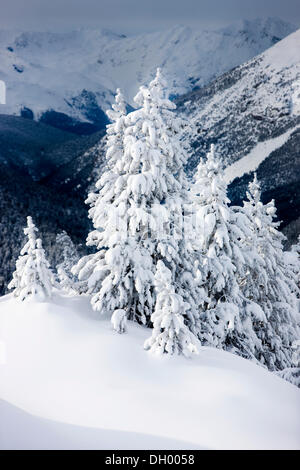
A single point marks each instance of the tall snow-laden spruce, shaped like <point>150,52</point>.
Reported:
<point>227,320</point>
<point>295,263</point>
<point>170,334</point>
<point>272,285</point>
<point>158,130</point>
<point>119,274</point>
<point>32,277</point>
<point>140,210</point>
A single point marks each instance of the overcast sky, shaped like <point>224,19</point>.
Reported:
<point>133,16</point>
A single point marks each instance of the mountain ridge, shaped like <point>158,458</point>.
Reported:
<point>76,73</point>
<point>255,104</point>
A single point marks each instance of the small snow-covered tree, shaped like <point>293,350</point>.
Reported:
<point>69,257</point>
<point>119,320</point>
<point>139,210</point>
<point>273,285</point>
<point>170,335</point>
<point>227,320</point>
<point>32,277</point>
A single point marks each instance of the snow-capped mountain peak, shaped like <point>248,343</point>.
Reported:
<point>51,71</point>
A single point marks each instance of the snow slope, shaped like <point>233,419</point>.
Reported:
<point>73,72</point>
<point>61,363</point>
<point>252,115</point>
<point>20,430</point>
<point>256,156</point>
<point>254,102</point>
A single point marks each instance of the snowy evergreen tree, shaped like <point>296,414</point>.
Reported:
<point>170,334</point>
<point>294,261</point>
<point>139,210</point>
<point>159,132</point>
<point>272,284</point>
<point>119,274</point>
<point>69,256</point>
<point>32,277</point>
<point>296,247</point>
<point>227,321</point>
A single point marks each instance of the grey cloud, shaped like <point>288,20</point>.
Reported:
<point>138,15</point>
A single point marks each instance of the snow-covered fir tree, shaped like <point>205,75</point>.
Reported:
<point>296,247</point>
<point>160,133</point>
<point>119,274</point>
<point>33,277</point>
<point>139,210</point>
<point>69,257</point>
<point>170,335</point>
<point>227,320</point>
<point>294,260</point>
<point>273,284</point>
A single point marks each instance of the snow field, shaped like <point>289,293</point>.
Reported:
<point>65,364</point>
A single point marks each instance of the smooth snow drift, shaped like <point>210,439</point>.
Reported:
<point>62,363</point>
<point>20,430</point>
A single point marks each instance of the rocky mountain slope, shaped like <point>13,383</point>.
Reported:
<point>252,114</point>
<point>68,79</point>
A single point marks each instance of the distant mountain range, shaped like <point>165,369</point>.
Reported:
<point>69,79</point>
<point>252,114</point>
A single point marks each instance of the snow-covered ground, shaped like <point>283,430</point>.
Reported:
<point>67,380</point>
<point>50,70</point>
